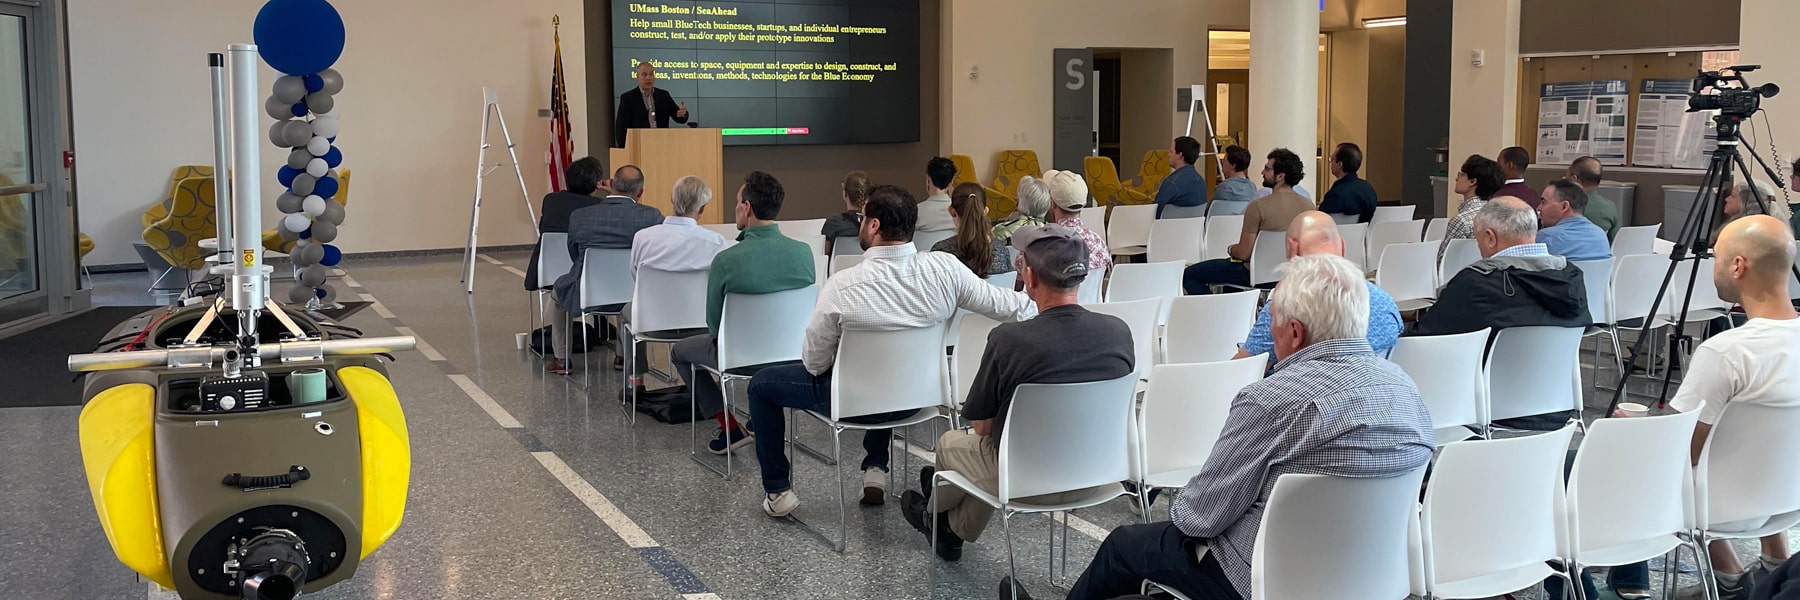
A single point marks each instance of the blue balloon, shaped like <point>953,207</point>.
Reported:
<point>313,83</point>
<point>299,37</point>
<point>320,292</point>
<point>326,187</point>
<point>306,235</point>
<point>286,175</point>
<point>299,109</point>
<point>332,139</point>
<point>334,157</point>
<point>332,256</point>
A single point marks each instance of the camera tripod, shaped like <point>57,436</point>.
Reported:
<point>1694,245</point>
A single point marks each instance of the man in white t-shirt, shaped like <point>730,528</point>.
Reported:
<point>1755,363</point>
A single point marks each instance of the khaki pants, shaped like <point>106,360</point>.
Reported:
<point>962,451</point>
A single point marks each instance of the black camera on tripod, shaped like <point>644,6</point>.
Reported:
<point>1734,96</point>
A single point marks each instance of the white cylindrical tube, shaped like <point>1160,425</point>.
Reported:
<point>215,63</point>
<point>249,289</point>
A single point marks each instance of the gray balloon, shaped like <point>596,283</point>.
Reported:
<point>334,214</point>
<point>277,110</point>
<point>297,133</point>
<point>323,233</point>
<point>278,134</point>
<point>314,276</point>
<point>299,158</point>
<point>300,294</point>
<point>290,89</point>
<point>319,102</point>
<point>303,184</point>
<point>288,203</point>
<point>334,82</point>
<point>288,235</point>
<point>307,253</point>
<point>330,294</point>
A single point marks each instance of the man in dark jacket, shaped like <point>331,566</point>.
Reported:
<point>584,180</point>
<point>638,107</point>
<point>1517,283</point>
<point>1350,195</point>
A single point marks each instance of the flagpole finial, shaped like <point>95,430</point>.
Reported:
<point>556,23</point>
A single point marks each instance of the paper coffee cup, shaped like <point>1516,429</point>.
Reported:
<point>1633,409</point>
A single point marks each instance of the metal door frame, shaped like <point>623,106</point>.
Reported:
<point>46,62</point>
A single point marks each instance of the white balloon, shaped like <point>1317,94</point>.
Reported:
<point>325,126</point>
<point>296,222</point>
<point>318,146</point>
<point>313,206</point>
<point>317,167</point>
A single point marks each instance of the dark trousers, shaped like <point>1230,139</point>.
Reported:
<point>708,396</point>
<point>1219,271</point>
<point>1635,575</point>
<point>1159,552</point>
<point>791,386</point>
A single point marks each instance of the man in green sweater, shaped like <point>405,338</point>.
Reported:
<point>1600,210</point>
<point>762,262</point>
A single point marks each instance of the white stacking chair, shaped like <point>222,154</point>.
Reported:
<point>1350,532</point>
<point>1089,290</point>
<point>1493,517</point>
<point>1184,412</point>
<point>1662,246</point>
<point>756,331</point>
<point>1597,275</point>
<point>1343,219</point>
<point>971,341</point>
<point>1635,240</point>
<point>1705,304</point>
<point>1138,281</point>
<point>666,307</point>
<point>1534,371</point>
<point>605,281</point>
<point>1094,219</point>
<point>821,267</point>
<point>846,246</point>
<point>821,246</point>
<point>1461,253</point>
<point>729,231</point>
<point>1128,231</point>
<point>1221,232</point>
<point>1356,244</point>
<point>1631,493</point>
<point>1267,257</point>
<point>839,263</point>
<point>1208,328</point>
<point>1005,281</point>
<point>1389,214</point>
<point>1176,240</point>
<point>1635,281</point>
<point>801,228</point>
<point>882,372</point>
<point>1793,283</point>
<point>1448,371</point>
<point>1038,456</point>
<point>1183,212</point>
<point>1382,235</point>
<point>1737,493</point>
<point>924,240</point>
<point>1408,273</point>
<point>1435,229</point>
<point>1140,316</point>
<point>554,261</point>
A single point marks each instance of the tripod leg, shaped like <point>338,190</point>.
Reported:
<point>468,267</point>
<point>529,211</point>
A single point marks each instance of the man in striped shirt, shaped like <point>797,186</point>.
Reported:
<point>1331,407</point>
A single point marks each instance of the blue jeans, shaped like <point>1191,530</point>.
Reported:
<point>791,386</point>
<point>1218,271</point>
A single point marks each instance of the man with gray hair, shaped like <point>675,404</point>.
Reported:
<point>677,245</point>
<point>1517,283</point>
<point>1068,195</point>
<point>1331,407</point>
<point>1034,204</point>
<point>610,224</point>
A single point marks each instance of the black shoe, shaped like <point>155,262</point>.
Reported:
<point>913,506</point>
<point>738,438</point>
<point>925,487</point>
<point>1011,590</point>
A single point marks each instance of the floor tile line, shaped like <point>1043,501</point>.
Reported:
<point>505,419</point>
<point>430,353</point>
<point>609,514</point>
<point>491,260</point>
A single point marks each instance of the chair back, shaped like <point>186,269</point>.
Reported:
<point>1208,328</point>
<point>1597,274</point>
<point>1037,454</point>
<point>1129,225</point>
<point>1733,479</point>
<point>821,245</point>
<point>1448,371</point>
<point>605,277</point>
<point>1139,281</point>
<point>839,263</point>
<point>1003,281</point>
<point>1356,244</point>
<point>821,267</point>
<point>1350,532</point>
<point>971,341</point>
<point>1533,371</point>
<point>1389,214</point>
<point>1089,292</point>
<point>1793,283</point>
<point>1172,212</point>
<point>1267,256</point>
<point>1408,271</point>
<point>729,231</point>
<point>1635,280</point>
<point>1176,239</point>
<point>846,246</point>
<point>1153,169</point>
<point>924,240</point>
<point>1221,232</point>
<point>668,300</point>
<point>1012,165</point>
<point>889,371</point>
<point>553,258</point>
<point>1343,219</point>
<point>1436,228</point>
<point>1140,316</point>
<point>1094,219</point>
<point>1103,180</point>
<point>1184,412</point>
<point>1706,292</point>
<point>1384,234</point>
<point>761,329</point>
<point>800,229</point>
<point>1492,508</point>
<point>965,170</point>
<point>1635,240</point>
<point>1461,253</point>
<point>1632,482</point>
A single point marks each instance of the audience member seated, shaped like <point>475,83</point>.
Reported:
<point>1315,233</point>
<point>1566,232</point>
<point>894,288</point>
<point>1064,344</point>
<point>1740,202</point>
<point>1068,195</point>
<point>611,224</point>
<point>845,224</point>
<point>1331,407</point>
<point>1235,189</point>
<point>973,245</point>
<point>1600,209</point>
<point>762,262</point>
<point>1477,182</point>
<point>934,211</point>
<point>1034,204</point>
<point>677,245</point>
<point>1513,161</point>
<point>583,177</point>
<point>1350,195</point>
<point>1270,213</point>
<point>1517,283</point>
<point>1184,186</point>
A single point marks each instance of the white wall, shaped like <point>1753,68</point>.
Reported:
<point>1767,38</point>
<point>1484,100</point>
<point>413,72</point>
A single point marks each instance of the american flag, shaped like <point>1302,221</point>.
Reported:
<point>562,145</point>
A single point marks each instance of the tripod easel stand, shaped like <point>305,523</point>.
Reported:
<point>491,110</point>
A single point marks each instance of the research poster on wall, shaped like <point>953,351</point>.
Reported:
<point>1667,135</point>
<point>1583,118</point>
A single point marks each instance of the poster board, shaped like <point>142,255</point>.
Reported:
<point>1583,118</point>
<point>1666,134</point>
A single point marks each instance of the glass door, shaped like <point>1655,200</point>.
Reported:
<point>19,187</point>
<point>39,268</point>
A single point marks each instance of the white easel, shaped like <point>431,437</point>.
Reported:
<point>490,109</point>
<point>1197,104</point>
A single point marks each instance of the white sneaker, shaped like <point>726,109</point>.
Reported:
<point>874,486</point>
<point>781,505</point>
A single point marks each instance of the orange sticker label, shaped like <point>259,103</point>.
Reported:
<point>250,257</point>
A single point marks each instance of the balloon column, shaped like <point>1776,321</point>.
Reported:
<point>302,38</point>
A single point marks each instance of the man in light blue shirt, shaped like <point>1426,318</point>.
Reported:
<point>1565,232</point>
<point>1184,186</point>
<point>1235,192</point>
<point>1314,232</point>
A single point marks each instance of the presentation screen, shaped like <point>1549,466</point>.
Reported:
<point>779,72</point>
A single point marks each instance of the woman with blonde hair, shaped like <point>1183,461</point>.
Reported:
<point>973,243</point>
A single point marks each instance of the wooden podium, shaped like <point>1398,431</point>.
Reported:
<point>666,155</point>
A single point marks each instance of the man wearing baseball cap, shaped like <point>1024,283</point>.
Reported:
<point>1064,344</point>
<point>1068,195</point>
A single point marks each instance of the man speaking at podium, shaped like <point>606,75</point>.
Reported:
<point>646,107</point>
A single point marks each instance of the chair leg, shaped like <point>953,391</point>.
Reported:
<point>724,409</point>
<point>1012,568</point>
<point>837,452</point>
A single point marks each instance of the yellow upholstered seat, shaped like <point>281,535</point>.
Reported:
<point>1009,167</point>
<point>83,245</point>
<point>965,170</point>
<point>272,237</point>
<point>174,227</point>
<point>1103,183</point>
<point>13,229</point>
<point>1151,172</point>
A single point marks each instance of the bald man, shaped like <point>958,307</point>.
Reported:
<point>1517,282</point>
<point>1314,232</point>
<point>646,107</point>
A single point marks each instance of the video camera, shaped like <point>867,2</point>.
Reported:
<point>1734,96</point>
